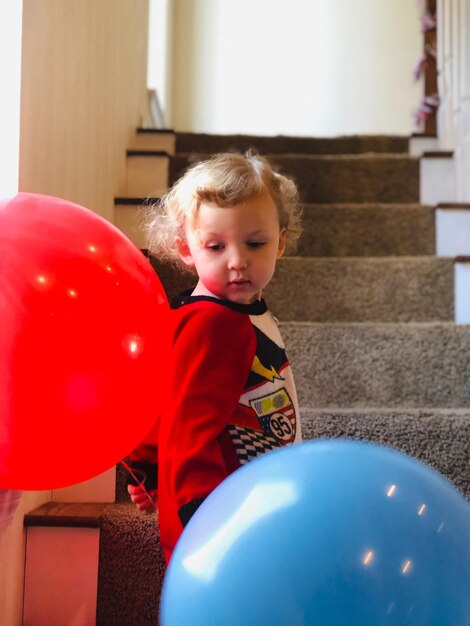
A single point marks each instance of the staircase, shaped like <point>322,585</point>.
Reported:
<point>366,311</point>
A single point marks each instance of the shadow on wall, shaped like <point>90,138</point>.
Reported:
<point>9,501</point>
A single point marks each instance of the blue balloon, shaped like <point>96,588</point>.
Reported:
<point>326,533</point>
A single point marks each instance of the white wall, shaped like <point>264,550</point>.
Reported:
<point>12,554</point>
<point>12,537</point>
<point>305,67</point>
<point>159,53</point>
<point>10,79</point>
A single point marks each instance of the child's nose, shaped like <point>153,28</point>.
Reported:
<point>238,259</point>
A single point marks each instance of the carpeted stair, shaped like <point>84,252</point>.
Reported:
<point>439,437</point>
<point>380,365</point>
<point>198,143</point>
<point>339,178</point>
<point>131,567</point>
<point>367,316</point>
<point>378,289</point>
<point>367,229</point>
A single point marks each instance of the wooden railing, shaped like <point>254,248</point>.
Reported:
<point>426,113</point>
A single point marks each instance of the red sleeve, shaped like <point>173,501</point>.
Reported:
<point>212,355</point>
<point>147,449</point>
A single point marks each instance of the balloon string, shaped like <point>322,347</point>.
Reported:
<point>141,484</point>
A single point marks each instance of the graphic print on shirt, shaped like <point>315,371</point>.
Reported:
<point>276,415</point>
<point>273,411</point>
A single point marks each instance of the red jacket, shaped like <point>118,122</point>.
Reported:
<point>230,397</point>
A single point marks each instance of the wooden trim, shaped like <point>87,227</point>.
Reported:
<point>430,72</point>
<point>457,206</point>
<point>147,153</point>
<point>438,154</point>
<point>156,131</point>
<point>462,259</point>
<point>424,135</point>
<point>136,201</point>
<point>66,514</point>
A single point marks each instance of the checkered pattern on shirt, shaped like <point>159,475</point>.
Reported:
<point>249,443</point>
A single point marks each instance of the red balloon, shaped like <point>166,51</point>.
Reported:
<point>82,333</point>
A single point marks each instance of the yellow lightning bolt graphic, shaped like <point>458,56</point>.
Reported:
<point>263,371</point>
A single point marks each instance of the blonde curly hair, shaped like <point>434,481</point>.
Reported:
<point>226,180</point>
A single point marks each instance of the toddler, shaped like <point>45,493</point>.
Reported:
<point>230,395</point>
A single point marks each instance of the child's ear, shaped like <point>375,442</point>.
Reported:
<point>282,242</point>
<point>184,252</point>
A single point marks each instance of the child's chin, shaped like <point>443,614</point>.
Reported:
<point>242,296</point>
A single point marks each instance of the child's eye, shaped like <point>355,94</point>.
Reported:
<point>215,247</point>
<point>254,245</point>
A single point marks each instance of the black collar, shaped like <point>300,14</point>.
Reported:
<point>255,308</point>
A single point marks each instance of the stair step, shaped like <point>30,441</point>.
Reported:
<point>382,289</point>
<point>200,142</point>
<point>129,216</point>
<point>351,178</point>
<point>453,229</point>
<point>131,567</point>
<point>61,565</point>
<point>147,173</point>
<point>439,437</point>
<point>154,139</point>
<point>357,178</point>
<point>367,229</point>
<point>380,365</point>
<point>66,515</point>
<point>332,230</point>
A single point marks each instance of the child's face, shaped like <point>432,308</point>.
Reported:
<point>234,249</point>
